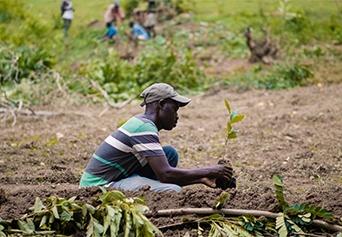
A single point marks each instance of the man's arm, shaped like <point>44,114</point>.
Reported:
<point>167,174</point>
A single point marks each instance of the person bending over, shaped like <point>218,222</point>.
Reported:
<point>132,157</point>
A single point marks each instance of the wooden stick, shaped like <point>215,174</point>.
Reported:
<point>233,212</point>
<point>108,99</point>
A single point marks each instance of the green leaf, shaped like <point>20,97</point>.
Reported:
<point>277,180</point>
<point>278,184</point>
<point>38,205</point>
<point>222,200</point>
<point>42,224</point>
<point>72,199</point>
<point>26,226</point>
<point>115,224</point>
<point>112,196</point>
<point>94,228</point>
<point>281,226</point>
<point>228,107</point>
<point>232,135</point>
<point>232,115</point>
<point>55,212</point>
<point>66,216</point>
<point>128,223</point>
<point>52,219</point>
<point>237,118</point>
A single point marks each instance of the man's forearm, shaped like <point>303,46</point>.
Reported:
<point>185,177</point>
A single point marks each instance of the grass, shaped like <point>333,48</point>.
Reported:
<point>215,30</point>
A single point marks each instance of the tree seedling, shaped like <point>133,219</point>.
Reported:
<point>233,117</point>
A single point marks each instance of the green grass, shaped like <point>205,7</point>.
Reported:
<point>204,10</point>
<point>310,39</point>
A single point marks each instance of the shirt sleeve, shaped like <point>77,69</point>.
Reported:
<point>147,144</point>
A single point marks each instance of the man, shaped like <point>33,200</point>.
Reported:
<point>138,32</point>
<point>67,12</point>
<point>151,18</point>
<point>113,17</point>
<point>132,157</point>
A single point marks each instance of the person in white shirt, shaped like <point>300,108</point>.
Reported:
<point>67,12</point>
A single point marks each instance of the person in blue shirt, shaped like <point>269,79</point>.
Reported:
<point>138,32</point>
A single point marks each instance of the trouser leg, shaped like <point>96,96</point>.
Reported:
<point>67,24</point>
<point>136,182</point>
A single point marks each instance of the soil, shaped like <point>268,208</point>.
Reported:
<point>295,133</point>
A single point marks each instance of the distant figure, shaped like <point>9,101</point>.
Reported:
<point>261,50</point>
<point>151,18</point>
<point>139,16</point>
<point>67,13</point>
<point>113,17</point>
<point>138,32</point>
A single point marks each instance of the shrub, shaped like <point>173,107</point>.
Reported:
<point>122,79</point>
<point>23,62</point>
<point>280,77</point>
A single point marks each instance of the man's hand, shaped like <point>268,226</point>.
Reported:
<point>219,171</point>
<point>209,182</point>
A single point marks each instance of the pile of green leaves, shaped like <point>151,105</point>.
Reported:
<point>114,215</point>
<point>295,218</point>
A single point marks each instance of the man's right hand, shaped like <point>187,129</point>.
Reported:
<point>218,171</point>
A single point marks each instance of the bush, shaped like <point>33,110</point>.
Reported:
<point>287,76</point>
<point>23,62</point>
<point>280,77</point>
<point>122,79</point>
<point>10,10</point>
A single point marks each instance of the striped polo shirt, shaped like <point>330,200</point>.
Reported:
<point>123,152</point>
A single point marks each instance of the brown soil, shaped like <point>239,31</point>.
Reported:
<point>295,133</point>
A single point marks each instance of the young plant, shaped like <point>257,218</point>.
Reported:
<point>233,117</point>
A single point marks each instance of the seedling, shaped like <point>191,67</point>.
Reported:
<point>233,117</point>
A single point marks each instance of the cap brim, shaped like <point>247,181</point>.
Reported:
<point>182,100</point>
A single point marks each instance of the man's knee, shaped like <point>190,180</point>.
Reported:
<point>172,155</point>
<point>167,188</point>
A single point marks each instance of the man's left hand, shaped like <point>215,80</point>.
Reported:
<point>209,182</point>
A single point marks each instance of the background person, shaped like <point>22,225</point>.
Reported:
<point>138,32</point>
<point>151,18</point>
<point>67,13</point>
<point>113,17</point>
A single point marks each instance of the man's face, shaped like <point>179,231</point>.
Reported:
<point>168,116</point>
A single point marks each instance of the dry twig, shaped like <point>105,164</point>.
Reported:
<point>234,212</point>
<point>108,99</point>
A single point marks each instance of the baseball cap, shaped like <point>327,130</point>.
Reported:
<point>161,91</point>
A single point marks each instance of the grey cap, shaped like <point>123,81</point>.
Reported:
<point>162,91</point>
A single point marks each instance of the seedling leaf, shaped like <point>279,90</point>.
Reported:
<point>228,107</point>
<point>232,135</point>
<point>237,118</point>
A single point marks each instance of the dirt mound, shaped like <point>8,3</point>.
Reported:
<point>295,133</point>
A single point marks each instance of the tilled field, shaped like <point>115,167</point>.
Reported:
<point>295,133</point>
